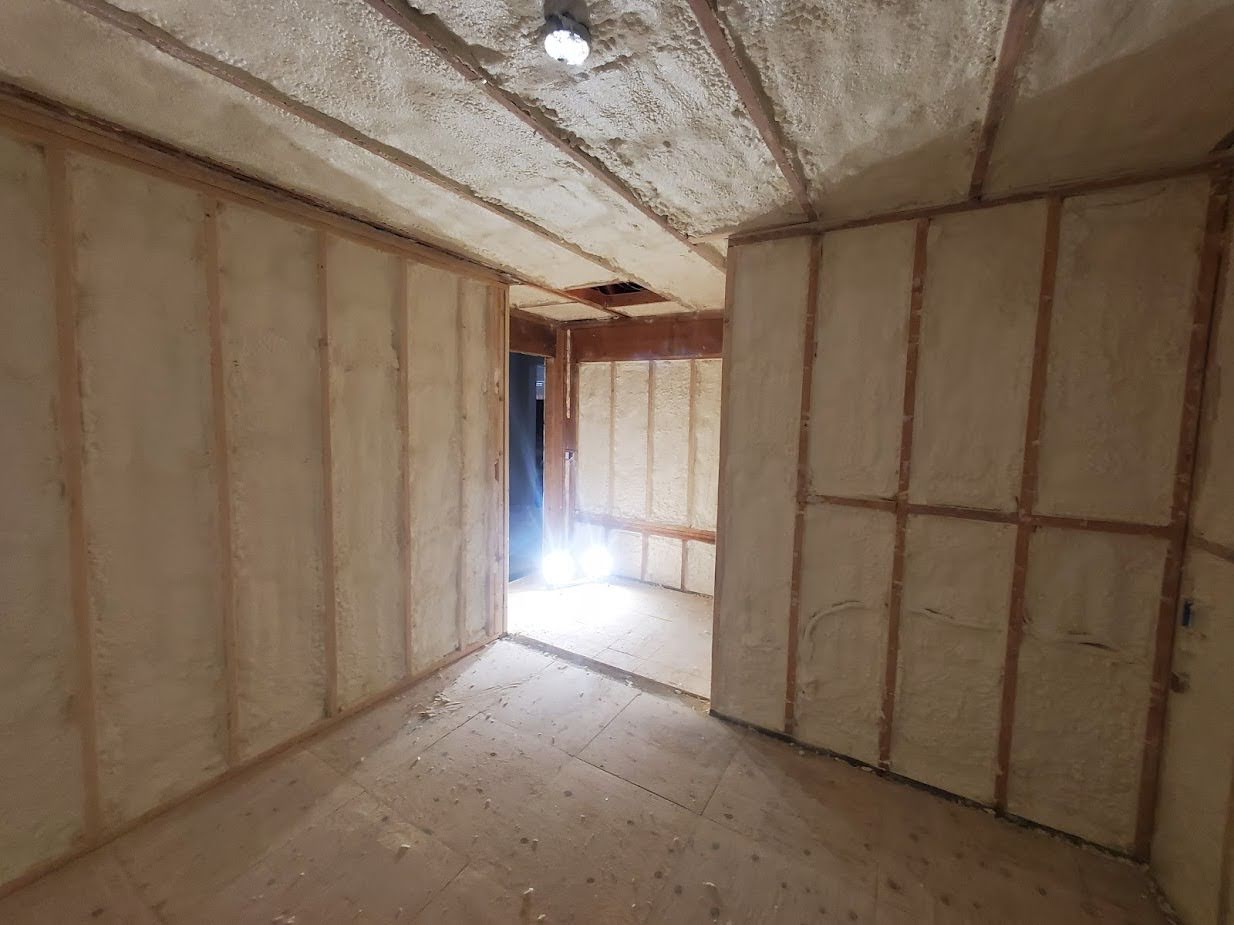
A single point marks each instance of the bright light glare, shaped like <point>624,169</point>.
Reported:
<point>567,46</point>
<point>597,562</point>
<point>558,567</point>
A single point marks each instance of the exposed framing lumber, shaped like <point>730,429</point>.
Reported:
<point>809,350</point>
<point>1220,550</point>
<point>649,490</point>
<point>571,433</point>
<point>328,563</point>
<point>402,333</point>
<point>222,463</point>
<point>532,335</point>
<point>1027,501</point>
<point>896,597</point>
<point>646,527</point>
<point>1212,258</point>
<point>168,44</point>
<point>726,391</point>
<point>619,300</point>
<point>555,378</point>
<point>460,416</point>
<point>446,47</point>
<point>1021,21</point>
<point>666,337</point>
<point>1208,164</point>
<point>691,453</point>
<point>246,766</point>
<point>740,76</point>
<point>62,248</point>
<point>498,330</point>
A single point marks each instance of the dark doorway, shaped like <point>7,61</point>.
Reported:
<point>526,402</point>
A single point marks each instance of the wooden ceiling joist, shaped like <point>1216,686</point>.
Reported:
<point>666,337</point>
<point>755,103</point>
<point>446,46</point>
<point>532,335</point>
<point>168,44</point>
<point>1021,21</point>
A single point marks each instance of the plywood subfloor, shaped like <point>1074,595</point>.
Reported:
<point>649,631</point>
<point>516,788</point>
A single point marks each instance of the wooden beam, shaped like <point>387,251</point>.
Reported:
<point>222,462</point>
<point>615,300</point>
<point>328,563</point>
<point>669,337</point>
<point>743,81</point>
<point>449,49</point>
<point>555,379</point>
<point>402,332</point>
<point>675,531</point>
<point>1021,21</point>
<point>1027,496</point>
<point>896,597</point>
<point>169,44</point>
<point>803,485</point>
<point>1212,261</point>
<point>68,400</point>
<point>532,335</point>
<point>1208,163</point>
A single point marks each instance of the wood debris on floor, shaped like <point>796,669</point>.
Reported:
<point>513,787</point>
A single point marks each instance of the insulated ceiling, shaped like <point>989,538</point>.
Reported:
<point>446,121</point>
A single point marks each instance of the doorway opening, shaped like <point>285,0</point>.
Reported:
<point>526,478</point>
<point>627,507</point>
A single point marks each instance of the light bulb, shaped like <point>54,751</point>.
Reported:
<point>567,40</point>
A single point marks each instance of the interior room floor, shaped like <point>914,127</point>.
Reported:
<point>515,787</point>
<point>649,631</point>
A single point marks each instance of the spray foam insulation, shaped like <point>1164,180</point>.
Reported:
<point>629,460</point>
<point>151,496</point>
<point>759,478</point>
<point>1127,269</point>
<point>594,436</point>
<point>436,456</point>
<point>953,629</point>
<point>706,461</point>
<point>670,443</point>
<point>865,278</point>
<point>1091,602</point>
<point>842,628</point>
<point>700,567</point>
<point>1212,514</point>
<point>663,561</point>
<point>1198,755</point>
<point>128,81</point>
<point>873,137</point>
<point>40,749</point>
<point>268,297</point>
<point>480,488</point>
<point>1105,89</point>
<point>367,480</point>
<point>978,320</point>
<point>626,548</point>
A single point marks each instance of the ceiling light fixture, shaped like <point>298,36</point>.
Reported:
<point>567,39</point>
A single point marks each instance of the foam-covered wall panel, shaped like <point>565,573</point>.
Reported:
<point>626,548</point>
<point>700,576</point>
<point>663,561</point>
<point>953,635</point>
<point>758,478</point>
<point>595,381</point>
<point>1212,513</point>
<point>865,278</point>
<point>41,782</point>
<point>366,439</point>
<point>150,492</point>
<point>1123,303</point>
<point>268,291</point>
<point>670,442</point>
<point>706,461</point>
<point>842,629</point>
<point>979,315</point>
<point>1090,607</point>
<point>481,497</point>
<point>630,418</point>
<point>436,458</point>
<point>1198,754</point>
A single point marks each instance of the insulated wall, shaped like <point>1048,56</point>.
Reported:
<point>254,478</point>
<point>949,490</point>
<point>1192,846</point>
<point>648,459</point>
